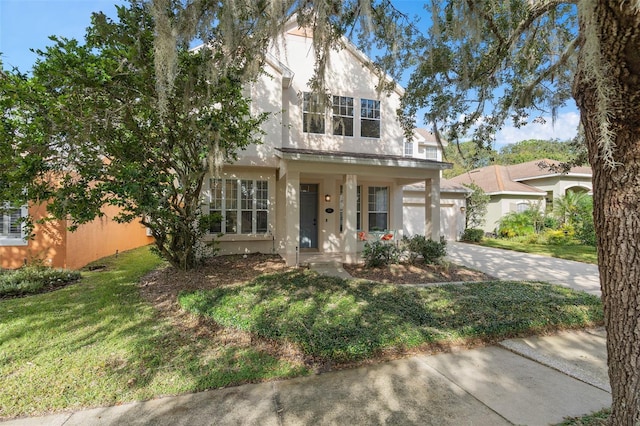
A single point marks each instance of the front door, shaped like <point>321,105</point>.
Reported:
<point>309,216</point>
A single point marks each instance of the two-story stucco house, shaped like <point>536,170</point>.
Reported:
<point>323,179</point>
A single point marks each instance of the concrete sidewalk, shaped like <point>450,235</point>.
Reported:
<point>533,382</point>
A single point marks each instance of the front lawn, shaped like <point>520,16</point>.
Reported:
<point>344,321</point>
<point>577,252</point>
<point>111,338</point>
<point>99,343</point>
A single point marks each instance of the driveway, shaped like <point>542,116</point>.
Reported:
<point>513,265</point>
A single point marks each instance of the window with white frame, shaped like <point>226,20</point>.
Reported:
<point>358,208</point>
<point>369,118</point>
<point>408,149</point>
<point>243,205</point>
<point>11,226</point>
<point>378,206</point>
<point>312,113</point>
<point>431,153</point>
<point>522,207</point>
<point>342,116</point>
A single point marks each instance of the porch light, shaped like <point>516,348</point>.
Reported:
<point>327,198</point>
<point>462,209</point>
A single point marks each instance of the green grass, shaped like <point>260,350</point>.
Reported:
<point>600,418</point>
<point>344,321</point>
<point>577,252</point>
<point>98,343</point>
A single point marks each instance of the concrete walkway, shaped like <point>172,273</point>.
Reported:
<point>531,381</point>
<point>513,265</point>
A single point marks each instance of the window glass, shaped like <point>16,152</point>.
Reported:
<point>408,149</point>
<point>378,203</point>
<point>243,205</point>
<point>312,113</point>
<point>11,232</point>
<point>431,153</point>
<point>343,116</point>
<point>369,118</point>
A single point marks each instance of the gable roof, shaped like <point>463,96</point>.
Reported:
<point>425,136</point>
<point>537,169</point>
<point>496,179</point>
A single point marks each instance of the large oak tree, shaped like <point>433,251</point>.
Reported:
<point>483,62</point>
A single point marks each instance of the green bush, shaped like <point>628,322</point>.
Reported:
<point>33,279</point>
<point>561,236</point>
<point>377,254</point>
<point>473,235</point>
<point>515,225</point>
<point>431,251</point>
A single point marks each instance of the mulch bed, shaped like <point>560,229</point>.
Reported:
<point>416,273</point>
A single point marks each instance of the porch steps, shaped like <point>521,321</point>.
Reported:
<point>330,268</point>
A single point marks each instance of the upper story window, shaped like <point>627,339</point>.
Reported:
<point>243,205</point>
<point>408,149</point>
<point>11,229</point>
<point>342,116</point>
<point>369,118</point>
<point>312,113</point>
<point>431,153</point>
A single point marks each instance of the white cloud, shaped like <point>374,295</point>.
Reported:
<point>566,127</point>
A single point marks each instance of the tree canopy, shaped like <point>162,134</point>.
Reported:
<point>88,132</point>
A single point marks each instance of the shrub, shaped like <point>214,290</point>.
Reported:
<point>33,279</point>
<point>473,235</point>
<point>560,236</point>
<point>378,254</point>
<point>515,225</point>
<point>431,251</point>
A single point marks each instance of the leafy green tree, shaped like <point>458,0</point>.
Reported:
<point>481,63</point>
<point>100,138</point>
<point>535,149</point>
<point>477,202</point>
<point>465,157</point>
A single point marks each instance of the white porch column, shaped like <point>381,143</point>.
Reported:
<point>349,218</point>
<point>432,209</point>
<point>292,217</point>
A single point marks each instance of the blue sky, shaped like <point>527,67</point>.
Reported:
<point>26,24</point>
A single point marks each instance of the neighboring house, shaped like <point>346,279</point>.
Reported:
<point>519,187</point>
<point>323,178</point>
<point>53,245</point>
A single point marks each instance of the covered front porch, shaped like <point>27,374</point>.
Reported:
<point>330,202</point>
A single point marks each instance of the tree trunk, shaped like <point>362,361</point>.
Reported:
<point>616,193</point>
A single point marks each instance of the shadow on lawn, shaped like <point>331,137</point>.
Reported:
<point>344,321</point>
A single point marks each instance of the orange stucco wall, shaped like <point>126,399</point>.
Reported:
<point>56,246</point>
<point>48,245</point>
<point>103,237</point>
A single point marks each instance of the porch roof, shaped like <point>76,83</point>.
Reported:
<point>360,158</point>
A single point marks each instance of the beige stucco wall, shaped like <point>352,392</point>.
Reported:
<point>345,76</point>
<point>451,217</point>
<point>560,184</point>
<point>499,205</point>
